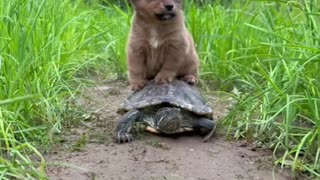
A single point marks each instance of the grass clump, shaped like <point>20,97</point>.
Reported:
<point>45,49</point>
<point>268,51</point>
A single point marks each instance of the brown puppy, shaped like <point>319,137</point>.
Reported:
<point>160,47</point>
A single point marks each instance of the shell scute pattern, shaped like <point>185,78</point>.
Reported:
<point>177,93</point>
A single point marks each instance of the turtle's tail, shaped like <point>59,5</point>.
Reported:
<point>205,126</point>
<point>209,135</point>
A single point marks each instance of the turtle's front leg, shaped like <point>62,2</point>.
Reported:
<point>122,133</point>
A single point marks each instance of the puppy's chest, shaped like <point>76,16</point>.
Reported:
<point>156,48</point>
<point>154,40</point>
<point>155,53</point>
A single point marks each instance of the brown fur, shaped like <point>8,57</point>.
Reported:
<point>160,49</point>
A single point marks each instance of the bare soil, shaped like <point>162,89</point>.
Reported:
<point>84,149</point>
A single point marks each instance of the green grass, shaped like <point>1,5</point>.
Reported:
<point>268,50</point>
<point>46,48</point>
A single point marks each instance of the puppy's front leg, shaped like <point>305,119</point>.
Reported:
<point>190,79</point>
<point>170,67</point>
<point>136,68</point>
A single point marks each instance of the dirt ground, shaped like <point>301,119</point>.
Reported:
<point>85,150</point>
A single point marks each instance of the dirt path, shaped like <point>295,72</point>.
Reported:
<point>85,150</point>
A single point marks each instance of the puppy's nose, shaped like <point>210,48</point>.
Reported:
<point>169,7</point>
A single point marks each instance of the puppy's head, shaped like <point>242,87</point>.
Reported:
<point>162,10</point>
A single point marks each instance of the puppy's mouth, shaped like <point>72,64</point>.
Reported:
<point>165,16</point>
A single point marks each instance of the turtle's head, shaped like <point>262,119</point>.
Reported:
<point>168,120</point>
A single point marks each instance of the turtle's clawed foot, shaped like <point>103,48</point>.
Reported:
<point>123,138</point>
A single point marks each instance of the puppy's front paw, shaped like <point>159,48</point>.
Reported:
<point>135,86</point>
<point>190,79</point>
<point>162,78</point>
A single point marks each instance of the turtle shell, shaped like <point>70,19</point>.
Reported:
<point>177,93</point>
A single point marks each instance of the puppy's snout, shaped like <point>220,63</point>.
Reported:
<point>169,7</point>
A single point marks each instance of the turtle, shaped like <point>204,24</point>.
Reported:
<point>170,108</point>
